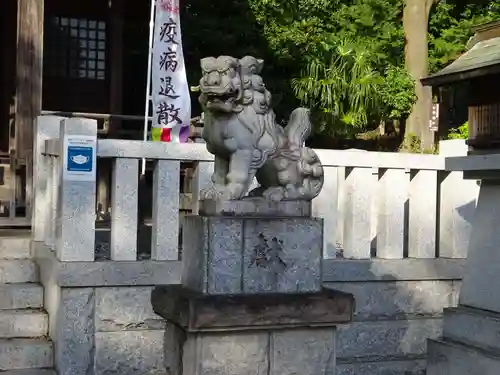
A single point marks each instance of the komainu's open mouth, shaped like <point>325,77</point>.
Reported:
<point>215,97</point>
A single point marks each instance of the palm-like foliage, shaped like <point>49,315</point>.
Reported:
<point>341,85</point>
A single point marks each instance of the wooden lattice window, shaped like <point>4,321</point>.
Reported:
<point>75,48</point>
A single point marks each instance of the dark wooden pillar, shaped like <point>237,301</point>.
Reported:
<point>29,65</point>
<point>8,29</point>
<point>115,69</point>
<point>29,73</point>
<point>116,62</point>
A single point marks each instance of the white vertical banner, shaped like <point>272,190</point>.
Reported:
<point>170,91</point>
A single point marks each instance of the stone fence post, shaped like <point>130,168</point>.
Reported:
<point>75,217</point>
<point>46,127</point>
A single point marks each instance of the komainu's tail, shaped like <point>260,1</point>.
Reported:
<point>297,131</point>
<point>298,128</point>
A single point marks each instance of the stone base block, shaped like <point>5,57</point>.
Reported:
<point>469,345</point>
<point>451,358</point>
<point>471,326</point>
<point>481,281</point>
<point>286,352</point>
<point>208,313</point>
<point>279,334</point>
<point>234,255</point>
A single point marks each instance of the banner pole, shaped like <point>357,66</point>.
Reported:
<point>148,83</point>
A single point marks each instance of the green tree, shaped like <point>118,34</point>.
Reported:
<point>229,27</point>
<point>462,132</point>
<point>341,86</point>
<point>339,54</point>
<point>296,29</point>
<point>451,25</point>
<point>299,39</point>
<point>346,91</point>
<point>397,93</point>
<point>436,33</point>
<point>415,25</point>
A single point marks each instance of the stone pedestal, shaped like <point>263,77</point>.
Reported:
<point>231,255</point>
<point>251,299</point>
<point>251,334</point>
<point>470,342</point>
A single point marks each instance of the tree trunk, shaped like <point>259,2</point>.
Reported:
<point>415,23</point>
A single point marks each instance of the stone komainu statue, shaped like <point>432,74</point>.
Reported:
<point>241,131</point>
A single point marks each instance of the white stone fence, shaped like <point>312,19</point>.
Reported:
<point>395,205</point>
<point>383,205</point>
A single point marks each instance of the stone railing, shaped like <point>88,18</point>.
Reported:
<point>394,205</point>
<point>396,230</point>
<point>375,205</point>
<point>64,215</point>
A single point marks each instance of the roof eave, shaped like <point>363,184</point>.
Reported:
<point>438,80</point>
<point>485,26</point>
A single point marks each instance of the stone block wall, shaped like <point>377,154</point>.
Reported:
<point>395,315</point>
<point>100,315</point>
<point>107,331</point>
<point>393,321</point>
<point>128,335</point>
<point>102,322</point>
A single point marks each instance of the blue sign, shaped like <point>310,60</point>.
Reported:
<point>80,158</point>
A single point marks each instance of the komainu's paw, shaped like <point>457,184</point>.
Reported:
<point>216,192</point>
<point>274,194</point>
<point>257,192</point>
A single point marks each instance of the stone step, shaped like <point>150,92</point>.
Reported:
<point>18,271</point>
<point>472,326</point>
<point>14,233</point>
<point>29,372</point>
<point>15,247</point>
<point>451,358</point>
<point>23,323</point>
<point>21,296</point>
<point>393,366</point>
<point>19,354</point>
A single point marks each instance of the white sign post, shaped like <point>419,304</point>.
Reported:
<point>74,189</point>
<point>79,161</point>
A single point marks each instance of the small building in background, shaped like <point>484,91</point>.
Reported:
<point>477,74</point>
<point>464,87</point>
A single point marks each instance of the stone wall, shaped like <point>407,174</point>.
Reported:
<point>110,330</point>
<point>393,320</point>
<point>406,209</point>
<point>398,307</point>
<point>128,335</point>
<point>102,319</point>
